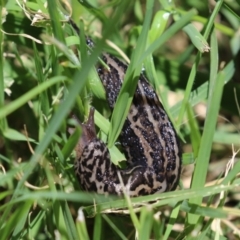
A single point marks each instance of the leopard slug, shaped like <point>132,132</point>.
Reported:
<point>150,143</point>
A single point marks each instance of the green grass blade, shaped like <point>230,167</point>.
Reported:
<point>226,138</point>
<point>21,220</point>
<point>197,39</point>
<point>204,211</point>
<point>71,143</point>
<point>171,223</point>
<point>99,14</point>
<point>97,227</point>
<point>232,174</point>
<point>162,199</point>
<point>125,96</point>
<point>146,221</point>
<point>15,135</point>
<point>14,105</point>
<point>114,227</point>
<point>195,66</point>
<point>81,226</point>
<point>233,13</point>
<point>35,224</point>
<point>194,131</point>
<point>168,34</point>
<point>200,171</point>
<point>214,59</point>
<point>3,122</point>
<point>39,69</point>
<point>68,221</point>
<point>201,92</point>
<point>55,17</point>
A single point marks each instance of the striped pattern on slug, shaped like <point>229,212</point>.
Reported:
<point>148,138</point>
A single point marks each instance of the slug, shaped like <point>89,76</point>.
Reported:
<point>148,139</point>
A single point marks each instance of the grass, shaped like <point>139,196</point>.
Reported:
<point>41,83</point>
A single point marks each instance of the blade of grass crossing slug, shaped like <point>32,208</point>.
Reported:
<point>162,39</point>
<point>162,199</point>
<point>116,155</point>
<point>119,113</point>
<point>129,85</point>
<point>202,162</point>
<point>125,96</point>
<point>103,124</point>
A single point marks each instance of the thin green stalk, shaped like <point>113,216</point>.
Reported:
<point>3,122</point>
<point>195,66</point>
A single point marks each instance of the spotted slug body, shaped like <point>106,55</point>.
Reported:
<point>148,138</point>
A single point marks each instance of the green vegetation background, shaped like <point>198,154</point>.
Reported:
<point>190,54</point>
